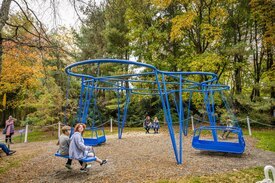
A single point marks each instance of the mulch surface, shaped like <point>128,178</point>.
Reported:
<point>137,157</point>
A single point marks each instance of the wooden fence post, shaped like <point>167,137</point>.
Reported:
<point>111,125</point>
<point>248,126</point>
<point>26,133</point>
<point>59,125</point>
<point>192,120</point>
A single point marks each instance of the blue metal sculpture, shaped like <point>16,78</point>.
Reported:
<point>163,83</point>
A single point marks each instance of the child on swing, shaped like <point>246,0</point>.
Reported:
<point>64,143</point>
<point>229,124</point>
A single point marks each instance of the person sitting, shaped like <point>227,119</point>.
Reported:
<point>147,124</point>
<point>156,125</point>
<point>229,124</point>
<point>78,150</point>
<point>6,149</point>
<point>64,143</point>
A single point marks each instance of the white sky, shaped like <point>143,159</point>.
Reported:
<point>66,15</point>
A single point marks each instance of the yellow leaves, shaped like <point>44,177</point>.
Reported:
<point>162,3</point>
<point>219,15</point>
<point>180,22</point>
<point>22,69</point>
<point>211,33</point>
<point>269,37</point>
<point>4,100</point>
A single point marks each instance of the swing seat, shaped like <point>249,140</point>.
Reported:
<point>94,141</point>
<point>218,146</point>
<point>86,160</point>
<point>98,139</point>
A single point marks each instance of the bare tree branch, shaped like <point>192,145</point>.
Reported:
<point>73,2</point>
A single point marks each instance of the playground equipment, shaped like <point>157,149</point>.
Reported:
<point>88,112</point>
<point>267,179</point>
<point>145,79</point>
<point>87,159</point>
<point>219,146</point>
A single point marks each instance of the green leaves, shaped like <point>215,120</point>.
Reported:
<point>206,62</point>
<point>180,25</point>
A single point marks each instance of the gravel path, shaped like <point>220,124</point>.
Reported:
<point>138,157</point>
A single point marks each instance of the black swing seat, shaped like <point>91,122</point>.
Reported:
<point>86,160</point>
<point>219,146</point>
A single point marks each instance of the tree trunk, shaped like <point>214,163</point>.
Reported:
<point>4,16</point>
<point>258,56</point>
<point>237,75</point>
<point>1,54</point>
<point>269,63</point>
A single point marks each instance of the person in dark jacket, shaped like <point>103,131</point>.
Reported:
<point>147,124</point>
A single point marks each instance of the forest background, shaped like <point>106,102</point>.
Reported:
<point>232,38</point>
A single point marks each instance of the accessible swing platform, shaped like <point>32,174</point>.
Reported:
<point>219,146</point>
<point>86,160</point>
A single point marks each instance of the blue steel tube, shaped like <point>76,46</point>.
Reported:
<point>180,120</point>
<point>84,115</point>
<point>161,94</point>
<point>94,102</point>
<point>81,99</point>
<point>208,109</point>
<point>118,115</point>
<point>175,102</point>
<point>213,108</point>
<point>188,114</point>
<point>126,105</point>
<point>169,120</point>
<point>213,116</point>
<point>67,98</point>
<point>88,99</point>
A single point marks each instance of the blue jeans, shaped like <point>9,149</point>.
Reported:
<point>4,148</point>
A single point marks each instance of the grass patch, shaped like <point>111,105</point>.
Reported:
<point>107,131</point>
<point>36,136</point>
<point>9,164</point>
<point>14,161</point>
<point>246,175</point>
<point>266,139</point>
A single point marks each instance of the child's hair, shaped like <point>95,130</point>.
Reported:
<point>65,128</point>
<point>78,125</point>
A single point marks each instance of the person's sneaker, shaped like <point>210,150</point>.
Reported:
<point>83,170</point>
<point>88,166</point>
<point>103,162</point>
<point>11,152</point>
<point>68,166</point>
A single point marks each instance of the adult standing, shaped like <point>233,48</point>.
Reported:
<point>9,129</point>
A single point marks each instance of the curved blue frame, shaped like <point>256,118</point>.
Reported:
<point>180,82</point>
